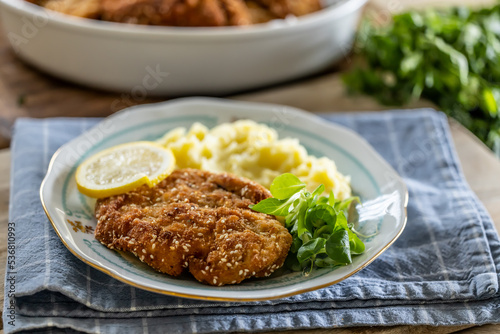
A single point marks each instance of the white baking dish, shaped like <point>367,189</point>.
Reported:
<point>152,60</point>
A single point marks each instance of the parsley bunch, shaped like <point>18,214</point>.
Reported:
<point>450,57</point>
<point>321,233</point>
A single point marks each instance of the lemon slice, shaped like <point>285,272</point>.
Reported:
<point>125,167</point>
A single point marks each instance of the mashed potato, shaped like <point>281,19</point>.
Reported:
<point>254,151</point>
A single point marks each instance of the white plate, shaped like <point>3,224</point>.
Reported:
<point>382,191</point>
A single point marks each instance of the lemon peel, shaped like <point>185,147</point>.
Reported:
<point>124,167</point>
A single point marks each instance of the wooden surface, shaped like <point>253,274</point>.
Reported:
<point>25,92</point>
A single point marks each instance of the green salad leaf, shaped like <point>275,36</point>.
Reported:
<point>285,185</point>
<point>450,57</point>
<point>338,247</point>
<point>310,249</point>
<point>272,206</point>
<point>322,234</point>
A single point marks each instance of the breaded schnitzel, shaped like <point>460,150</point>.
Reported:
<point>186,13</point>
<point>283,8</point>
<point>198,221</point>
<point>194,13</point>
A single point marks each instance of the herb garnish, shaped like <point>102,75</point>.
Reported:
<point>322,235</point>
<point>451,57</point>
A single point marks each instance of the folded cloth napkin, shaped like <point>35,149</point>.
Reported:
<point>443,270</point>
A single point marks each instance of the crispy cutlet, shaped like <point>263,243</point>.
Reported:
<point>187,13</point>
<point>194,13</point>
<point>82,8</point>
<point>196,221</point>
<point>283,8</point>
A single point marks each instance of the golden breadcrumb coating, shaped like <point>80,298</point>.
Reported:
<point>86,8</point>
<point>196,221</point>
<point>283,8</point>
<point>193,13</point>
<point>187,13</point>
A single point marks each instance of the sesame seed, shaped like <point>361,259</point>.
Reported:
<point>240,273</point>
<point>203,272</point>
<point>238,246</point>
<point>215,281</point>
<point>228,264</point>
<point>206,268</point>
<point>233,282</point>
<point>144,251</point>
<point>151,256</point>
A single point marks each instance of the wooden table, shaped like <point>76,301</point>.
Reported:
<point>25,92</point>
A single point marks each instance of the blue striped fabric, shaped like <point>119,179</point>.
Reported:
<point>443,270</point>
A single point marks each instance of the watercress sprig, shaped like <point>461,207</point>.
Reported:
<point>322,235</point>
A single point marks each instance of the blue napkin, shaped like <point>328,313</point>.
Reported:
<point>443,270</point>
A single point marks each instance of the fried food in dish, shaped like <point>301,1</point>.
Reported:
<point>196,221</point>
<point>258,13</point>
<point>188,13</point>
<point>283,8</point>
<point>81,8</point>
<point>194,13</point>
